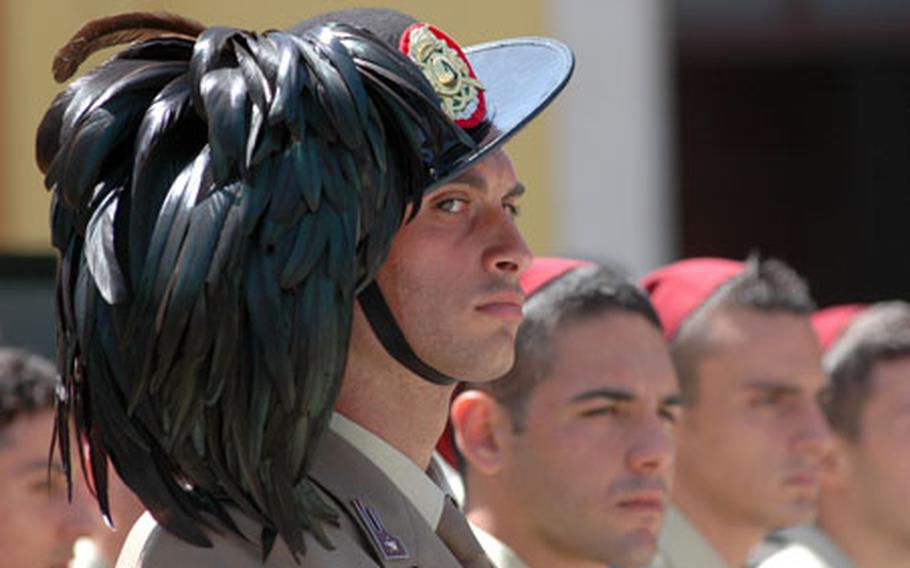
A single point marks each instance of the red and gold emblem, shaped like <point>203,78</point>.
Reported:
<point>447,68</point>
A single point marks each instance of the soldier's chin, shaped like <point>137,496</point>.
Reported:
<point>640,548</point>
<point>796,511</point>
<point>489,368</point>
<point>480,360</point>
<point>805,509</point>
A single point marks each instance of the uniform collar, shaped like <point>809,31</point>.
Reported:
<point>812,547</point>
<point>497,551</point>
<point>426,497</point>
<point>681,545</point>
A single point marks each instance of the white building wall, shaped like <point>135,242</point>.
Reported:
<point>613,166</point>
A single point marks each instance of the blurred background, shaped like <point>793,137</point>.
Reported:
<point>698,127</point>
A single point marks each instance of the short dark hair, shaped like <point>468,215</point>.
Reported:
<point>27,383</point>
<point>583,293</point>
<point>769,286</point>
<point>879,333</point>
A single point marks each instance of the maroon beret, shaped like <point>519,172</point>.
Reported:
<point>830,323</point>
<point>544,270</point>
<point>677,289</point>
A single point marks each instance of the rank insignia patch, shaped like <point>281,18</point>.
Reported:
<point>388,544</point>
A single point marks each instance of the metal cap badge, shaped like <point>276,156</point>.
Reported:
<point>448,70</point>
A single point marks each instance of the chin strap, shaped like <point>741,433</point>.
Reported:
<point>386,329</point>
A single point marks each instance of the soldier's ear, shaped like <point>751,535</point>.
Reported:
<point>477,421</point>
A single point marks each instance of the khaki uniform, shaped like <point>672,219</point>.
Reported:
<point>680,545</point>
<point>497,551</point>
<point>389,511</point>
<point>807,546</point>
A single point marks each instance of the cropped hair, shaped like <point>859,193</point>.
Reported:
<point>878,334</point>
<point>767,286</point>
<point>27,384</point>
<point>581,294</point>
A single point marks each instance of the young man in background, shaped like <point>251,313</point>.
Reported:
<point>568,457</point>
<point>752,437</point>
<point>865,494</point>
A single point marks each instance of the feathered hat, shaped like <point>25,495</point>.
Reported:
<point>220,198</point>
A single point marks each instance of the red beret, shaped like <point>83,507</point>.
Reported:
<point>677,289</point>
<point>830,323</point>
<point>541,271</point>
<point>546,269</point>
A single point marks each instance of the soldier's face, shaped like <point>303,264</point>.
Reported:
<point>451,279</point>
<point>878,463</point>
<point>592,466</point>
<point>752,443</point>
<point>39,525</point>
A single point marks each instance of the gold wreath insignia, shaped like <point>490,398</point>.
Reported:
<point>447,72</point>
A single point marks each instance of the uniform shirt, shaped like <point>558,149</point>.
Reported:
<point>680,545</point>
<point>497,551</point>
<point>451,482</point>
<point>807,546</point>
<point>414,483</point>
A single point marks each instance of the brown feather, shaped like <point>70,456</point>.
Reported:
<point>117,30</point>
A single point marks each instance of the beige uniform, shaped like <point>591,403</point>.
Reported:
<point>497,551</point>
<point>807,546</point>
<point>680,545</point>
<point>389,509</point>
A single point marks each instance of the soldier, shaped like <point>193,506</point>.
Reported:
<point>40,528</point>
<point>751,438</point>
<point>222,198</point>
<point>568,457</point>
<point>864,495</point>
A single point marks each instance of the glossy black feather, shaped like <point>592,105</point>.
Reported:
<point>101,253</point>
<point>104,124</point>
<point>332,94</point>
<point>169,136</point>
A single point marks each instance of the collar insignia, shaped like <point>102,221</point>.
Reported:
<point>388,544</point>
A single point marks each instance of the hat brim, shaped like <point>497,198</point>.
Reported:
<point>521,76</point>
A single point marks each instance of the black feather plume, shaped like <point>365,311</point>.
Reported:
<point>219,199</point>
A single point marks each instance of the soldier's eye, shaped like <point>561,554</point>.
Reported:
<point>670,413</point>
<point>452,204</point>
<point>601,411</point>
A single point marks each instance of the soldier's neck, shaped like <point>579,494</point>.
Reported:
<point>847,525</point>
<point>402,409</point>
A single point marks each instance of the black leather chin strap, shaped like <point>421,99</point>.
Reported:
<point>386,329</point>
